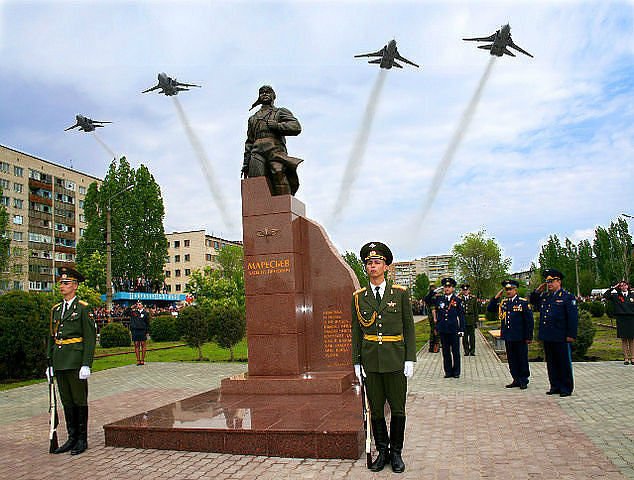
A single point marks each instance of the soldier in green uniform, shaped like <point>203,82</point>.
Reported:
<point>71,347</point>
<point>384,352</point>
<point>471,310</point>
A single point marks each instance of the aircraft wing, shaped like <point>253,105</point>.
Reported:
<point>378,53</point>
<point>71,127</point>
<point>180,84</point>
<point>396,64</point>
<point>481,39</point>
<point>403,59</point>
<point>512,45</point>
<point>151,89</point>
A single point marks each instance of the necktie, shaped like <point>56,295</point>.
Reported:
<point>64,308</point>
<point>378,295</point>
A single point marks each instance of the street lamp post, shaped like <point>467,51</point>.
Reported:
<point>109,254</point>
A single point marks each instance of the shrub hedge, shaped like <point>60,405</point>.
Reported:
<point>115,335</point>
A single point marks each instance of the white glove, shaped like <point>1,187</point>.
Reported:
<point>84,372</point>
<point>49,373</point>
<point>461,334</point>
<point>359,372</point>
<point>408,369</point>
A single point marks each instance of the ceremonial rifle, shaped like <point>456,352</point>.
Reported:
<point>366,422</point>
<point>54,419</point>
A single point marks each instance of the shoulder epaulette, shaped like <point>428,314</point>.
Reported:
<point>399,287</point>
<point>85,304</point>
<point>361,290</point>
<point>524,299</point>
<point>56,305</point>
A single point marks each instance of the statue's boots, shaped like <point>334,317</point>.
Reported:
<point>381,441</point>
<point>82,428</point>
<point>397,434</point>
<point>281,187</point>
<point>70,415</point>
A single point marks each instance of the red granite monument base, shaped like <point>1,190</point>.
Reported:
<point>298,398</point>
<point>301,426</point>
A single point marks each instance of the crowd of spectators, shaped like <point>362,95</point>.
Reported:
<point>140,284</point>
<point>121,314</point>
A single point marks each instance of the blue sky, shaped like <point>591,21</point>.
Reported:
<point>550,149</point>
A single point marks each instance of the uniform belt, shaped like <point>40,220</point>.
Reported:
<point>67,341</point>
<point>383,338</point>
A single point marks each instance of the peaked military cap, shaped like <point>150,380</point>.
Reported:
<point>465,286</point>
<point>448,282</point>
<point>376,250</point>
<point>552,274</point>
<point>67,273</point>
<point>510,283</point>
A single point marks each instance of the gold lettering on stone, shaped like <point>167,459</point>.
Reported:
<point>269,267</point>
<point>337,338</point>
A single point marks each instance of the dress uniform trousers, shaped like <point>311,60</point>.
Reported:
<point>450,353</point>
<point>72,391</point>
<point>390,386</point>
<point>559,365</point>
<point>517,356</point>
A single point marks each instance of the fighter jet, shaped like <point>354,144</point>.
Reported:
<point>388,56</point>
<point>169,86</point>
<point>501,39</point>
<point>86,124</point>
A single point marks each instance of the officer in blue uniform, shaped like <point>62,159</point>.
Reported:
<point>450,324</point>
<point>516,318</point>
<point>384,352</point>
<point>558,321</point>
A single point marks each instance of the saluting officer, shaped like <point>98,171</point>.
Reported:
<point>449,319</point>
<point>558,321</point>
<point>516,319</point>
<point>71,348</point>
<point>384,351</point>
<point>471,311</point>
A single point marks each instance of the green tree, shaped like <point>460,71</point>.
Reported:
<point>479,261</point>
<point>227,326</point>
<point>5,240</point>
<point>93,267</point>
<point>421,286</point>
<point>613,252</point>
<point>139,246</point>
<point>211,286</point>
<point>194,321</point>
<point>357,267</point>
<point>231,261</point>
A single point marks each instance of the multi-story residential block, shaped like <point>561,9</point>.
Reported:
<point>189,251</point>
<point>435,267</point>
<point>403,273</point>
<point>45,202</point>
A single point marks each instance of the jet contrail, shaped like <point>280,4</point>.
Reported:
<point>456,140</point>
<point>358,150</point>
<point>204,163</point>
<point>103,144</point>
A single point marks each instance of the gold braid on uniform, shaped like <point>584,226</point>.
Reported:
<point>501,311</point>
<point>50,326</point>
<point>362,320</point>
<point>399,287</point>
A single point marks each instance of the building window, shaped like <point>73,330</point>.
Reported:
<point>82,190</point>
<point>177,243</point>
<point>216,245</point>
<point>82,217</point>
<point>187,257</point>
<point>188,272</point>
<point>186,243</point>
<point>167,259</point>
<point>82,203</point>
<point>4,201</point>
<point>17,285</point>
<point>18,219</point>
<point>4,167</point>
<point>17,236</point>
<point>168,273</point>
<point>208,257</point>
<point>208,242</point>
<point>82,231</point>
<point>178,287</point>
<point>17,203</point>
<point>177,258</point>
<point>18,171</point>
<point>5,184</point>
<point>177,273</point>
<point>17,268</point>
<point>18,187</point>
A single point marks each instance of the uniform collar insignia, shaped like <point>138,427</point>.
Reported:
<point>391,304</point>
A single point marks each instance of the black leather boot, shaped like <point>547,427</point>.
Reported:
<point>381,441</point>
<point>70,415</point>
<point>82,429</point>
<point>397,434</point>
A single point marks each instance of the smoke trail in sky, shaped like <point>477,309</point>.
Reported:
<point>358,150</point>
<point>204,163</point>
<point>103,144</point>
<point>456,140</point>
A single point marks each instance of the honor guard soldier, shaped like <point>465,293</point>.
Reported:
<point>516,319</point>
<point>449,319</point>
<point>384,352</point>
<point>471,312</point>
<point>558,321</point>
<point>71,348</point>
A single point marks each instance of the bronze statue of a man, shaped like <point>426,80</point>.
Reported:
<point>265,149</point>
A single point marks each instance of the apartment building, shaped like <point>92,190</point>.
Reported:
<point>189,251</point>
<point>435,267</point>
<point>403,273</point>
<point>45,202</point>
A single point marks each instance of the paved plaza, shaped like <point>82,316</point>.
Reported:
<point>466,428</point>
